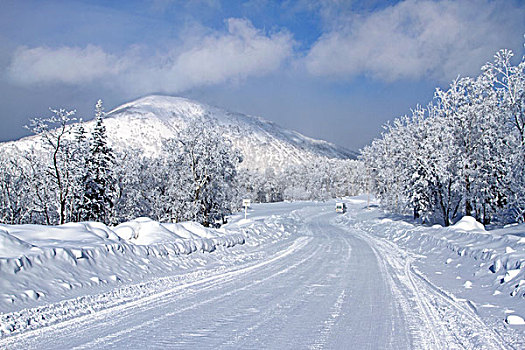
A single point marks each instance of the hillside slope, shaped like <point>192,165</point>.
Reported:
<point>145,122</point>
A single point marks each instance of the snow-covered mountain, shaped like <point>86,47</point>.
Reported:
<point>144,123</point>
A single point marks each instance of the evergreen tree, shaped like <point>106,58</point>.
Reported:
<point>99,180</point>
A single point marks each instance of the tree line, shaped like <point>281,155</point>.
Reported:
<point>321,179</point>
<point>69,174</point>
<point>462,154</point>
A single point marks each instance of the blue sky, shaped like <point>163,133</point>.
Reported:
<point>335,70</point>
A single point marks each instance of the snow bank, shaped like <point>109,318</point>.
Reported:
<point>499,253</point>
<point>66,271</point>
<point>12,247</point>
<point>198,229</point>
<point>144,231</point>
<point>41,264</point>
<point>468,223</point>
<point>23,240</point>
<point>41,261</point>
<point>76,235</point>
<point>483,268</point>
<point>487,267</point>
<point>180,230</point>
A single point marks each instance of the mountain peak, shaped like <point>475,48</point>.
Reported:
<point>145,123</point>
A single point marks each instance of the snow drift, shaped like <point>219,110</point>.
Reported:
<point>41,264</point>
<point>46,281</point>
<point>37,260</point>
<point>497,255</point>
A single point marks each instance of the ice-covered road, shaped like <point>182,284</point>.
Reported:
<point>328,285</point>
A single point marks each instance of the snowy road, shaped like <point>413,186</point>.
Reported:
<point>327,286</point>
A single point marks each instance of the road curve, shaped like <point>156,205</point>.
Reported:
<point>328,286</point>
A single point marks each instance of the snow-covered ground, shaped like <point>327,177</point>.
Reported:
<point>48,262</point>
<point>484,270</point>
<point>294,275</point>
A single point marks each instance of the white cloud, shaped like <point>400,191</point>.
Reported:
<point>202,59</point>
<point>72,65</point>
<point>243,51</point>
<point>415,39</point>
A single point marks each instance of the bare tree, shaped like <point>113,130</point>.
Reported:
<point>54,132</point>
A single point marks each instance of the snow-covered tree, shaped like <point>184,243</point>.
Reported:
<point>207,165</point>
<point>16,202</point>
<point>461,155</point>
<point>508,83</point>
<point>140,187</point>
<point>57,175</point>
<point>79,154</point>
<point>320,179</point>
<point>99,179</point>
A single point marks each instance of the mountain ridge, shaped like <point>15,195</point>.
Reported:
<point>145,122</point>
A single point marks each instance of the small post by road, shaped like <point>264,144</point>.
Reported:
<point>246,203</point>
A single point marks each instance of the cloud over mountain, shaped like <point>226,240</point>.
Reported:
<point>203,59</point>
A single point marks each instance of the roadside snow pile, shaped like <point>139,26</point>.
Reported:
<point>41,264</point>
<point>485,267</point>
<point>187,237</point>
<point>500,253</point>
<point>75,235</point>
<point>12,247</point>
<point>38,261</point>
<point>144,231</point>
<point>44,282</point>
<point>469,224</point>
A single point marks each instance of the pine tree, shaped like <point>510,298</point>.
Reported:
<point>99,180</point>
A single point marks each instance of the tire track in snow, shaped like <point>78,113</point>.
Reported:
<point>317,276</point>
<point>411,301</point>
<point>270,314</point>
<point>326,331</point>
<point>403,301</point>
<point>462,327</point>
<point>17,339</point>
<point>110,338</point>
<point>335,311</point>
<point>471,325</point>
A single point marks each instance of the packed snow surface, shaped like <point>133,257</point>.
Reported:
<point>304,277</point>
